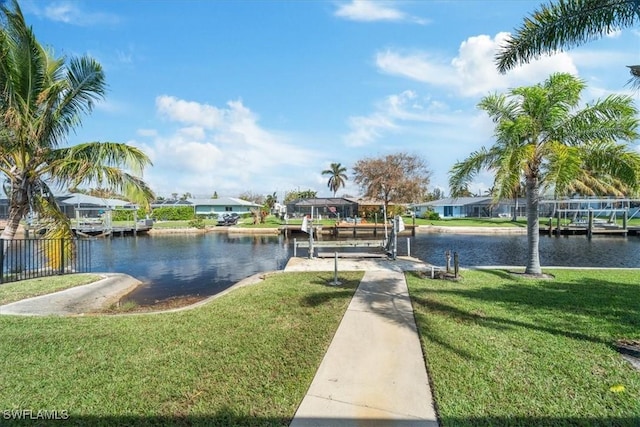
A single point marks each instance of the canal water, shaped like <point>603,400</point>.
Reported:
<point>205,264</point>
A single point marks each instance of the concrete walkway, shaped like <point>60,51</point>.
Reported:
<point>373,373</point>
<point>75,301</point>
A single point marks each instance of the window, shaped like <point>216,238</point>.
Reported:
<point>448,211</point>
<point>228,208</point>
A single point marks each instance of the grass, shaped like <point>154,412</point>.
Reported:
<point>244,359</point>
<point>510,351</point>
<point>469,222</point>
<point>182,224</point>
<point>15,291</point>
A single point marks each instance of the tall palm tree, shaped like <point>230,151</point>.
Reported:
<point>566,24</point>
<point>337,177</point>
<point>543,137</point>
<point>42,100</point>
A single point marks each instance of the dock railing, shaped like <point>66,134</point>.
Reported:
<point>22,259</point>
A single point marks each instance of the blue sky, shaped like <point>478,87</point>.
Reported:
<point>261,96</point>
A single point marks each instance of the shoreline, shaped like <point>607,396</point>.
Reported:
<point>273,230</point>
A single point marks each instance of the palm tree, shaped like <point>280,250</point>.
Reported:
<point>271,200</point>
<point>42,100</point>
<point>566,24</point>
<point>337,177</point>
<point>541,136</point>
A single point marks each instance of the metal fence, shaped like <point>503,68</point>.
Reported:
<point>30,258</point>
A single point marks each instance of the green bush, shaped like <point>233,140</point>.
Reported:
<point>173,213</point>
<point>432,215</point>
<point>198,222</point>
<point>127,214</point>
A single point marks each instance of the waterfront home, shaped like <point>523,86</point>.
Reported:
<point>476,207</point>
<point>326,207</point>
<point>211,207</point>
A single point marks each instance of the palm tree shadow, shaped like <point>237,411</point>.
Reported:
<point>591,298</point>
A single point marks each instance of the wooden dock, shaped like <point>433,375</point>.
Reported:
<point>573,230</point>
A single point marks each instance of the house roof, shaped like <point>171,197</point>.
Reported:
<point>222,201</point>
<point>79,199</point>
<point>325,201</point>
<point>368,201</point>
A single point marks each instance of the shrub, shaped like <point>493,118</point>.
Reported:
<point>120,214</point>
<point>173,213</point>
<point>197,222</point>
<point>432,215</point>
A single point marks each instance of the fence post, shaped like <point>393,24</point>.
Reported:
<point>456,265</point>
<point>2,249</point>
<point>447,255</point>
<point>61,270</point>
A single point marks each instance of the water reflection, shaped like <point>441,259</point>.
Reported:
<point>566,251</point>
<point>205,264</point>
<point>181,265</point>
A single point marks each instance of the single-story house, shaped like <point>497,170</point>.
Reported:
<point>477,207</point>
<point>329,207</point>
<point>222,205</point>
<point>209,207</point>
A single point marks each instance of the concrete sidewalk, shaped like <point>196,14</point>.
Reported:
<point>77,300</point>
<point>373,373</point>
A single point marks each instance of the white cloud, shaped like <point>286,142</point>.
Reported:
<point>370,11</point>
<point>69,13</point>
<point>221,149</point>
<point>398,113</point>
<point>147,132</point>
<point>473,71</point>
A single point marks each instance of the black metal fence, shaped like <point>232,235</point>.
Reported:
<point>30,258</point>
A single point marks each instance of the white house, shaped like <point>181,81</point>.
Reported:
<point>477,207</point>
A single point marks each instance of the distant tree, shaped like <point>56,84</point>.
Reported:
<point>215,195</point>
<point>258,199</point>
<point>399,178</point>
<point>174,196</point>
<point>297,195</point>
<point>270,201</point>
<point>436,194</point>
<point>461,192</point>
<point>186,196</point>
<point>160,199</point>
<point>337,177</point>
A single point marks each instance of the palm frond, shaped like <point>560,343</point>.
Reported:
<point>562,25</point>
<point>462,173</point>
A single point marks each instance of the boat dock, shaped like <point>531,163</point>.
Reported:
<point>353,230</point>
<point>99,230</point>
<point>375,248</point>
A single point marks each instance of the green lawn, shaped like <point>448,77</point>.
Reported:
<point>511,351</point>
<point>469,222</point>
<point>244,359</point>
<point>15,291</point>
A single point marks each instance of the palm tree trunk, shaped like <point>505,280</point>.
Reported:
<point>18,207</point>
<point>533,227</point>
